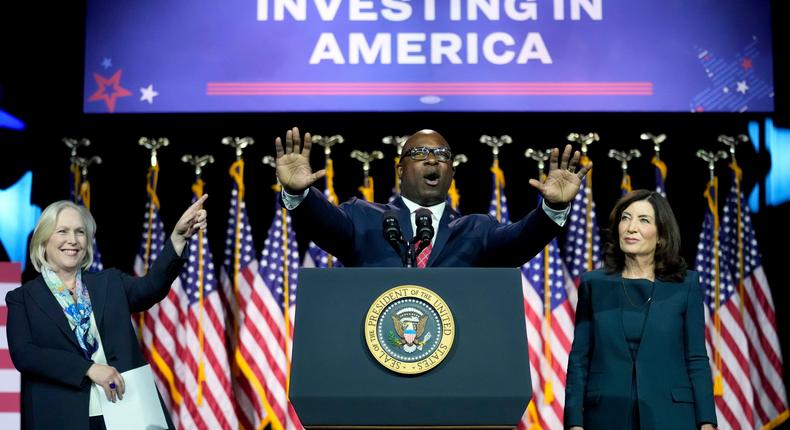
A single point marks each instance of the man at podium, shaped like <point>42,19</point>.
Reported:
<point>354,232</point>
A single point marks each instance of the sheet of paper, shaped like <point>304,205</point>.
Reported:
<point>140,407</point>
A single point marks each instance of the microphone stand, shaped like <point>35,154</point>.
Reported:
<point>409,256</point>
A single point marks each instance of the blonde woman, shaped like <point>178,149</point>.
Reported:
<point>69,331</point>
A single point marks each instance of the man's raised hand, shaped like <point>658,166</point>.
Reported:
<point>293,162</point>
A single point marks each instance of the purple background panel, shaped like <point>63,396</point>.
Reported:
<point>209,56</point>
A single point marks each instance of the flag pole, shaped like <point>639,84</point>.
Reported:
<point>151,185</point>
<point>453,193</point>
<point>661,167</point>
<point>236,173</point>
<point>732,142</point>
<point>76,177</point>
<point>712,197</point>
<point>548,391</point>
<point>327,143</point>
<point>152,180</point>
<point>366,158</point>
<point>585,140</point>
<point>624,157</point>
<point>397,142</point>
<point>499,176</point>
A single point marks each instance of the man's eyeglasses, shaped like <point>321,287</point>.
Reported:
<point>421,153</point>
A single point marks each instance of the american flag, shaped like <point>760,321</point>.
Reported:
<point>265,336</point>
<point>661,175</point>
<point>202,372</point>
<point>549,303</point>
<point>583,241</point>
<point>239,276</point>
<point>157,326</point>
<point>741,255</point>
<point>498,206</point>
<point>549,306</point>
<point>96,265</point>
<point>10,278</point>
<point>498,209</point>
<point>725,334</point>
<point>317,257</point>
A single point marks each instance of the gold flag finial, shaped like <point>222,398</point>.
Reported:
<point>396,141</point>
<point>459,159</point>
<point>656,140</point>
<point>74,144</point>
<point>328,142</point>
<point>624,157</point>
<point>495,142</point>
<point>366,158</point>
<point>238,144</point>
<point>269,161</point>
<point>367,183</point>
<point>732,142</point>
<point>541,157</point>
<point>198,162</point>
<point>153,145</point>
<point>584,140</point>
<point>84,163</point>
<point>711,158</point>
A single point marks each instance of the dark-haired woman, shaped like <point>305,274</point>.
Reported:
<point>638,359</point>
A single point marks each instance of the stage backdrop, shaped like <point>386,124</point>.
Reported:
<point>428,55</point>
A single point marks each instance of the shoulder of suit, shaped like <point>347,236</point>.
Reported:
<point>476,218</point>
<point>596,275</point>
<point>689,277</point>
<point>17,292</point>
<point>692,274</point>
<point>106,273</point>
<point>356,202</point>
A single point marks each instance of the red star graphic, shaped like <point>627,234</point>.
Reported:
<point>115,92</point>
<point>746,63</point>
<point>699,109</point>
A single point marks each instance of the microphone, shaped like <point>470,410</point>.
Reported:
<point>391,228</point>
<point>424,220</point>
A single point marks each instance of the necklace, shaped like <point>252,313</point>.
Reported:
<point>641,305</point>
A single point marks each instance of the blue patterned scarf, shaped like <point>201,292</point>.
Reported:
<point>78,314</point>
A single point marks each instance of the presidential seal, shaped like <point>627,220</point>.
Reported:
<point>409,329</point>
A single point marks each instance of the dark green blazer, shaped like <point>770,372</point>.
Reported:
<point>673,377</point>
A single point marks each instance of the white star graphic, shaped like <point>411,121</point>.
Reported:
<point>742,87</point>
<point>148,94</point>
<point>106,63</point>
<point>726,90</point>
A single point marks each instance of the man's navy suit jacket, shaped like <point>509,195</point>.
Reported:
<point>55,389</point>
<point>353,233</point>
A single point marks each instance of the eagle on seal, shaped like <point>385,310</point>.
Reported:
<point>409,331</point>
